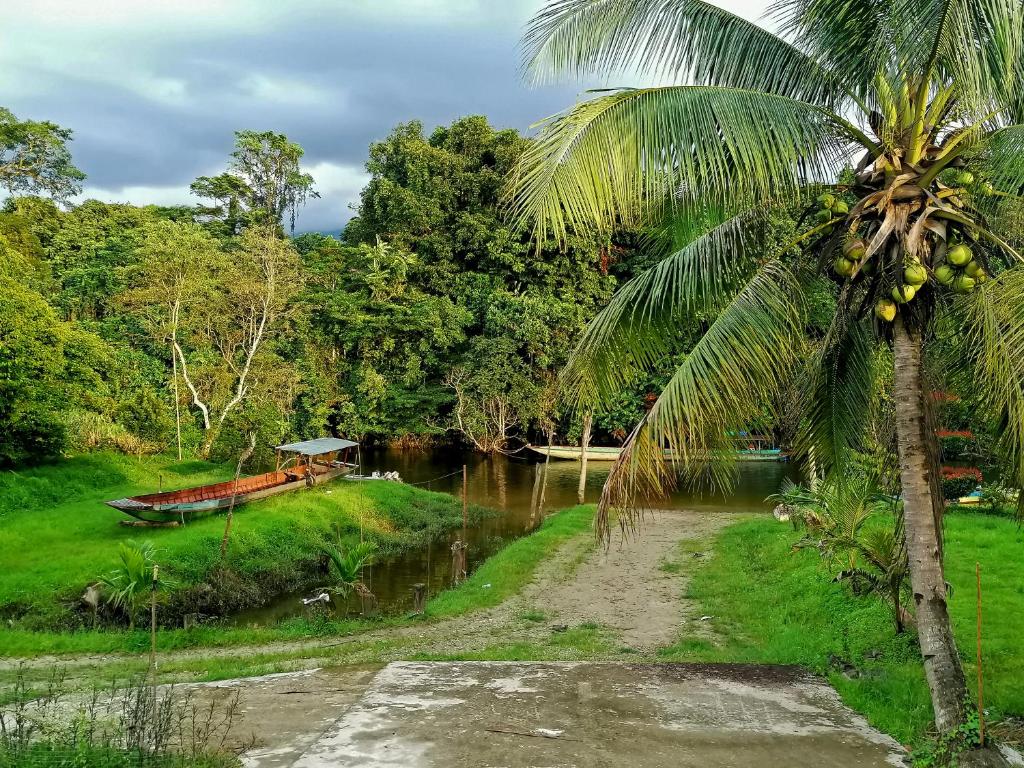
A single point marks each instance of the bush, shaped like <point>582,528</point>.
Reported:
<point>959,481</point>
<point>957,446</point>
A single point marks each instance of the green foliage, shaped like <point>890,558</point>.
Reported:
<point>46,365</point>
<point>262,185</point>
<point>34,158</point>
<point>349,564</point>
<point>132,582</point>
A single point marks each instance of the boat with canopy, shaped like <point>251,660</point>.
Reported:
<point>299,465</point>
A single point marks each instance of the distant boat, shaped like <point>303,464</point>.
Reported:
<point>598,453</point>
<point>306,464</point>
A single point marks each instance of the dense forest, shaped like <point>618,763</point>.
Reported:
<point>197,329</point>
<point>145,329</point>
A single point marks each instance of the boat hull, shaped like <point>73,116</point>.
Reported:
<point>575,453</point>
<point>193,503</point>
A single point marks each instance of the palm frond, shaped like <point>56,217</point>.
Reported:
<point>671,40</point>
<point>728,378</point>
<point>992,321</point>
<point>837,395</point>
<point>1002,159</point>
<point>617,159</point>
<point>849,37</point>
<point>638,327</point>
<point>974,44</point>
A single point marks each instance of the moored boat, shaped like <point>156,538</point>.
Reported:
<point>600,453</point>
<point>299,465</point>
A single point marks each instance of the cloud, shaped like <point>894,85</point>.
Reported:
<point>155,90</point>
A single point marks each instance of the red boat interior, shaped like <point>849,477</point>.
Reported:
<point>220,490</point>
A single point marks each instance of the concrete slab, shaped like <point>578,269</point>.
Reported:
<point>491,714</point>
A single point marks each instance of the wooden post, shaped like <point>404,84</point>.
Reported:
<point>547,462</point>
<point>234,494</point>
<point>584,445</point>
<point>981,694</point>
<point>465,503</point>
<point>419,598</point>
<point>152,622</point>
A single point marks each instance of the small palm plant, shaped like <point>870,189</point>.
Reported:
<point>883,567</point>
<point>347,566</point>
<point>131,583</point>
<point>835,515</point>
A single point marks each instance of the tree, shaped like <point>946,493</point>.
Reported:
<point>262,185</point>
<point>34,158</point>
<point>46,366</point>
<point>437,197</point>
<point>920,98</point>
<point>174,278</point>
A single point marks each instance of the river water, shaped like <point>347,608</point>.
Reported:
<point>509,485</point>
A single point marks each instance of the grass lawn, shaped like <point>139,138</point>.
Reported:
<point>275,535</point>
<point>56,535</point>
<point>772,604</point>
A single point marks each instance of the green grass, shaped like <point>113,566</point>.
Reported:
<point>396,515</point>
<point>504,574</point>
<point>56,536</point>
<point>773,605</point>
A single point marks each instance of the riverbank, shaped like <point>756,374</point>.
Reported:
<point>57,537</point>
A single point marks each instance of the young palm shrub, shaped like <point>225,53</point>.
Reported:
<point>882,568</point>
<point>347,566</point>
<point>130,585</point>
<point>835,515</point>
<point>920,103</point>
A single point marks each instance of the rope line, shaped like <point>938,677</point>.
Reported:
<point>435,479</point>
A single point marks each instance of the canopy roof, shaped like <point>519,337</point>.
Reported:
<point>317,447</point>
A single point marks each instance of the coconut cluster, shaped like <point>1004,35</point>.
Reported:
<point>831,208</point>
<point>960,272</point>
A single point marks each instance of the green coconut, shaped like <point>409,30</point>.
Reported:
<point>945,274</point>
<point>907,295</point>
<point>966,178</point>
<point>915,274</point>
<point>840,208</point>
<point>963,284</point>
<point>987,188</point>
<point>981,277</point>
<point>868,267</point>
<point>826,200</point>
<point>885,310</point>
<point>855,250</point>
<point>959,255</point>
<point>823,216</point>
<point>844,267</point>
<point>973,269</point>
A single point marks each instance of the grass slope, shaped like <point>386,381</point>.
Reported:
<point>56,536</point>
<point>774,605</point>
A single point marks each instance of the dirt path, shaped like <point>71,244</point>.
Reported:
<point>634,593</point>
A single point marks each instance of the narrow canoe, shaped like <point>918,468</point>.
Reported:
<point>574,453</point>
<point>191,503</point>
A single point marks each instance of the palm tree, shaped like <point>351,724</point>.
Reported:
<point>920,103</point>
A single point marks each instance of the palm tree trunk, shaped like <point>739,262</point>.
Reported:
<point>928,584</point>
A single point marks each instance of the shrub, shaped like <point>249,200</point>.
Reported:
<point>959,481</point>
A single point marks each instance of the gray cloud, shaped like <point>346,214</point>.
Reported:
<point>154,95</point>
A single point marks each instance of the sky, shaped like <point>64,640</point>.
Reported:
<point>154,89</point>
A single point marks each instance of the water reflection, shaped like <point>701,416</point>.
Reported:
<point>512,485</point>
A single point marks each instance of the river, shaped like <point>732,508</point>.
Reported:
<point>507,484</point>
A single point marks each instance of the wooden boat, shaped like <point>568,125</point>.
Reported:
<point>306,464</point>
<point>575,453</point>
